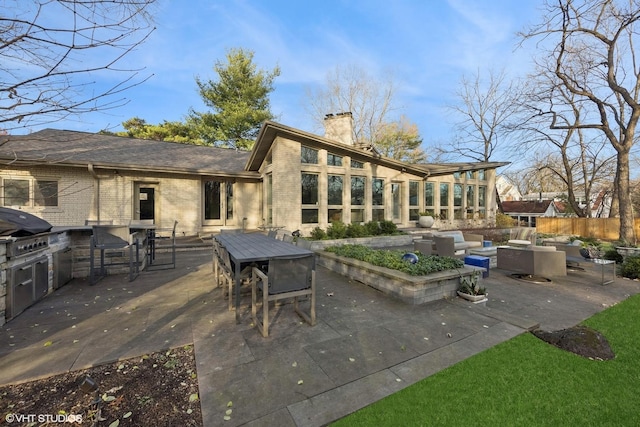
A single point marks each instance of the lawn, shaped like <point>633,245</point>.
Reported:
<point>526,381</point>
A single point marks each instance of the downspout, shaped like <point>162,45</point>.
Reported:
<point>96,196</point>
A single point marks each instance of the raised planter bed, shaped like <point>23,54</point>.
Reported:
<point>372,242</point>
<point>413,290</point>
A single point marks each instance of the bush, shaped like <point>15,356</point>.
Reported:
<point>318,234</point>
<point>631,267</point>
<point>356,230</point>
<point>373,228</point>
<point>337,230</point>
<point>504,221</point>
<point>388,228</point>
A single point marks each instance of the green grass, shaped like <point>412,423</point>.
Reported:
<point>524,382</point>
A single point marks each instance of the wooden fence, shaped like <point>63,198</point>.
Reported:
<point>600,228</point>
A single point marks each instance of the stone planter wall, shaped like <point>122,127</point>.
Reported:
<point>409,289</point>
<point>372,242</point>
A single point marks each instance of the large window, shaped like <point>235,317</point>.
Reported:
<point>269,199</point>
<point>444,200</point>
<point>414,200</point>
<point>471,201</point>
<point>357,165</point>
<point>309,198</point>
<point>482,202</point>
<point>308,155</point>
<point>457,201</point>
<point>377,199</point>
<point>29,192</point>
<point>396,199</point>
<point>357,198</point>
<point>334,197</point>
<point>429,197</point>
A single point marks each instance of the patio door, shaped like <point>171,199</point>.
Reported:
<point>145,202</point>
<point>218,202</point>
<point>396,202</point>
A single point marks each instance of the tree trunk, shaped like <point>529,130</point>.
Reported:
<point>627,232</point>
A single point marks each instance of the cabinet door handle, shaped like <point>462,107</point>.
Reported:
<point>25,283</point>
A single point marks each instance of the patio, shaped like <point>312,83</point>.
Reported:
<point>365,345</point>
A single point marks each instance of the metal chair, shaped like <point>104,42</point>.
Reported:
<point>113,237</point>
<point>152,248</point>
<point>285,278</point>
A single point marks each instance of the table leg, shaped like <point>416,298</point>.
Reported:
<point>237,279</point>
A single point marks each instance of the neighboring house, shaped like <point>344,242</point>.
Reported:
<point>290,179</point>
<point>506,190</point>
<point>526,211</point>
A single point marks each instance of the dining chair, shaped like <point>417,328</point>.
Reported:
<point>226,270</point>
<point>285,278</point>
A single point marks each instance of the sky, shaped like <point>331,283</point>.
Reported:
<point>427,47</point>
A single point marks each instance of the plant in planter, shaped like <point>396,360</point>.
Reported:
<point>426,219</point>
<point>470,290</point>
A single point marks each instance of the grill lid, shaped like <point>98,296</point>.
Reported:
<point>18,223</point>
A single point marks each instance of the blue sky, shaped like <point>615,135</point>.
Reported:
<point>426,45</point>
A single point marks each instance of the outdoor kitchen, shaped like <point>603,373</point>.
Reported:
<point>36,259</point>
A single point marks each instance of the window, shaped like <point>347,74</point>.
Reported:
<point>18,192</point>
<point>414,200</point>
<point>457,201</point>
<point>357,165</point>
<point>309,197</point>
<point>357,190</point>
<point>429,197</point>
<point>482,202</point>
<point>457,175</point>
<point>470,174</point>
<point>269,199</point>
<point>396,198</point>
<point>357,198</point>
<point>334,160</point>
<point>377,199</point>
<point>334,190</point>
<point>334,197</point>
<point>481,175</point>
<point>308,155</point>
<point>444,200</point>
<point>471,201</point>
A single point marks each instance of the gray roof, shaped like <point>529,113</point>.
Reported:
<point>72,148</point>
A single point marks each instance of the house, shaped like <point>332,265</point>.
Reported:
<point>526,211</point>
<point>291,179</point>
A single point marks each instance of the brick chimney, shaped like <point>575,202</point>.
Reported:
<point>339,127</point>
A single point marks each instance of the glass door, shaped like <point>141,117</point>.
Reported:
<point>218,202</point>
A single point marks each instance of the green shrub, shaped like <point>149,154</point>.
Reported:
<point>337,230</point>
<point>388,228</point>
<point>631,267</point>
<point>505,221</point>
<point>356,230</point>
<point>318,234</point>
<point>612,254</point>
<point>373,228</point>
<point>393,259</point>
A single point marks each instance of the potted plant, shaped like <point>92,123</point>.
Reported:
<point>425,219</point>
<point>470,290</point>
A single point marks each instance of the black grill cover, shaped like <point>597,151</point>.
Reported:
<point>18,223</point>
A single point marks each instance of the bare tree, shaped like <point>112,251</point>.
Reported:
<point>486,111</point>
<point>580,158</point>
<point>591,53</point>
<point>351,89</point>
<point>46,73</point>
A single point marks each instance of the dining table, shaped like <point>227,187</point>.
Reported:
<point>247,248</point>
